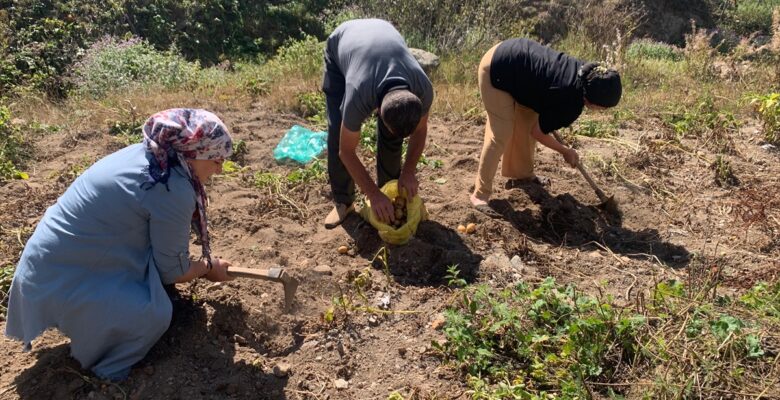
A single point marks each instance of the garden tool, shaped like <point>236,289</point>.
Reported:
<point>608,203</point>
<point>274,274</point>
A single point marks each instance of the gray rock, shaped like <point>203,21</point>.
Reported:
<point>323,269</point>
<point>427,60</point>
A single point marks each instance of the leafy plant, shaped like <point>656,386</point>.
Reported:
<point>707,122</point>
<point>311,105</point>
<point>528,342</point>
<point>453,277</point>
<point>768,109</point>
<point>240,151</point>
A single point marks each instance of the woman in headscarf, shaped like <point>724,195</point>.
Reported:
<point>530,90</point>
<point>96,264</point>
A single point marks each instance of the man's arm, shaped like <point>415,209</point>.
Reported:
<point>348,143</point>
<point>408,179</point>
<point>569,154</point>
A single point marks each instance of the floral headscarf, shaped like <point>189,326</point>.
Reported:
<point>178,134</point>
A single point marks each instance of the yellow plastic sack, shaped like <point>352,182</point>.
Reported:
<point>415,212</point>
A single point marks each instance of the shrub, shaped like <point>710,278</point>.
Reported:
<point>747,17</point>
<point>112,64</point>
<point>645,49</point>
<point>449,26</point>
<point>768,109</point>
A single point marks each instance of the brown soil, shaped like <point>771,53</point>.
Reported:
<point>226,339</point>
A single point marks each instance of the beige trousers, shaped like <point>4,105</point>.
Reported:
<point>507,132</point>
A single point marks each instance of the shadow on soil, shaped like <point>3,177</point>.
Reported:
<point>564,221</point>
<point>193,359</point>
<point>421,262</point>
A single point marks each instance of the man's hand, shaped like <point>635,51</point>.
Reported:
<point>382,207</point>
<point>571,157</point>
<point>219,269</point>
<point>409,183</point>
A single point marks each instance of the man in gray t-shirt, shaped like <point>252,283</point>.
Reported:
<point>368,67</point>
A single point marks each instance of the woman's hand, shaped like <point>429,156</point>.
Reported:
<point>571,157</point>
<point>219,271</point>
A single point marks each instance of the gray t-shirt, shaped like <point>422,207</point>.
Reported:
<point>373,58</point>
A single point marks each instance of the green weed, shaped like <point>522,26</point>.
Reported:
<point>14,149</point>
<point>551,341</point>
<point>714,127</point>
<point>724,174</point>
<point>595,129</point>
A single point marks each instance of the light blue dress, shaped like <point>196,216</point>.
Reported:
<point>95,266</point>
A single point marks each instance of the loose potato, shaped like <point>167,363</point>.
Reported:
<point>343,249</point>
<point>461,229</point>
<point>471,228</point>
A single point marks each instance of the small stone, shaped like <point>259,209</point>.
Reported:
<point>351,252</point>
<point>402,351</point>
<point>309,344</point>
<point>323,269</point>
<point>149,370</point>
<point>516,262</point>
<point>239,339</point>
<point>384,301</point>
<point>438,323</point>
<point>595,254</point>
<point>215,286</point>
<point>281,370</point>
<point>341,384</point>
<point>372,320</point>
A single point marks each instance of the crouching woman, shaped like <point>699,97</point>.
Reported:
<point>96,264</point>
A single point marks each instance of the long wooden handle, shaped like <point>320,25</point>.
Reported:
<point>254,273</point>
<point>586,175</point>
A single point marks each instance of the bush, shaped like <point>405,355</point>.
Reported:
<point>449,26</point>
<point>111,64</point>
<point>768,109</point>
<point>645,49</point>
<point>747,17</point>
<point>40,40</point>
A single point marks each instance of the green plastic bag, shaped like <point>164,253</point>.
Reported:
<point>415,212</point>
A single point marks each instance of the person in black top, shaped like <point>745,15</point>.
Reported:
<point>530,90</point>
